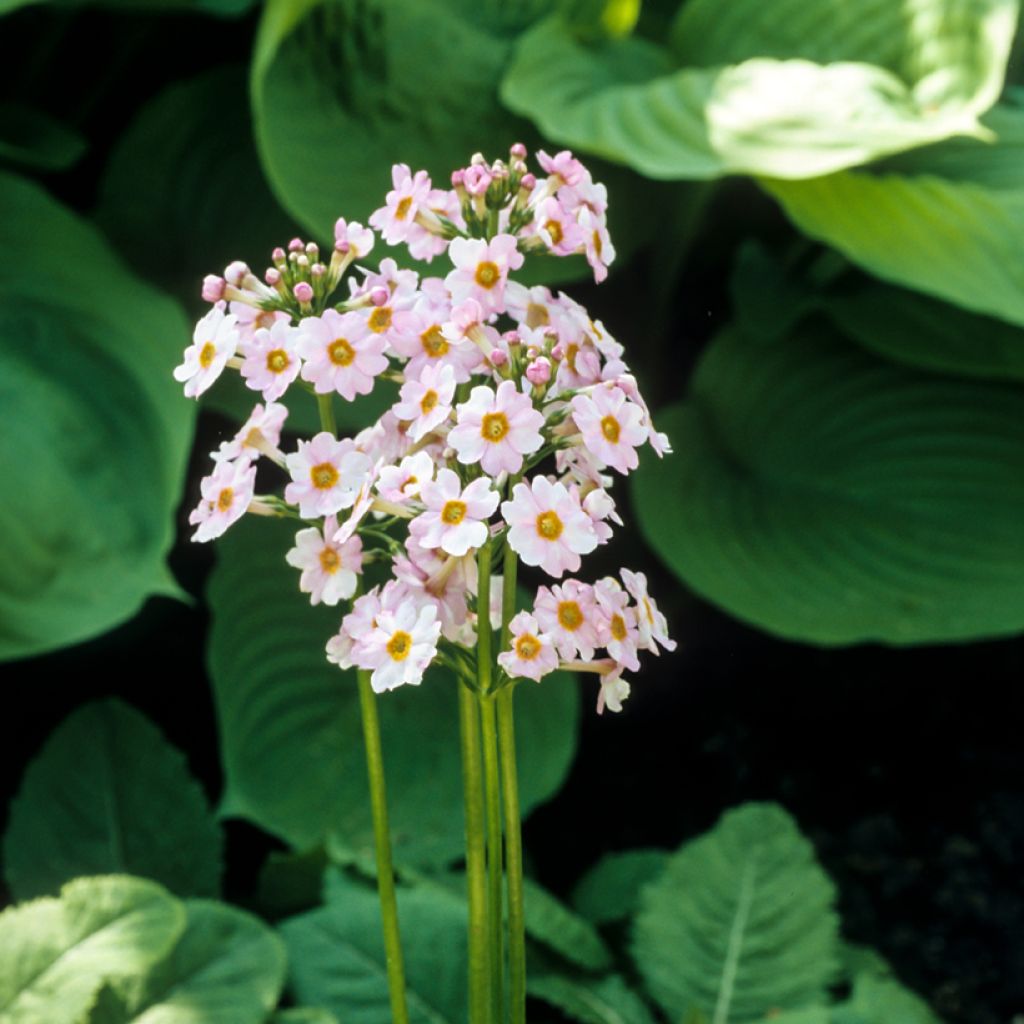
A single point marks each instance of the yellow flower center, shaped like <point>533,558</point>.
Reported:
<point>380,319</point>
<point>277,360</point>
<point>433,341</point>
<point>330,561</point>
<point>324,476</point>
<point>340,352</point>
<point>487,274</point>
<point>225,499</point>
<point>569,615</point>
<point>428,402</point>
<point>399,645</point>
<point>554,229</point>
<point>537,315</point>
<point>403,208</point>
<point>527,647</point>
<point>648,611</point>
<point>618,627</point>
<point>597,244</point>
<point>207,354</point>
<point>265,319</point>
<point>494,426</point>
<point>610,429</point>
<point>453,512</point>
<point>570,355</point>
<point>549,526</point>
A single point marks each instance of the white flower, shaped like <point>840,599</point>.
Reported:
<point>328,569</point>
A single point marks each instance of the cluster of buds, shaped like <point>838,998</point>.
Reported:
<point>512,405</point>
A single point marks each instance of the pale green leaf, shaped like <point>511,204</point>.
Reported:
<point>291,730</point>
<point>304,1015</point>
<point>108,794</point>
<point>98,432</point>
<point>607,1000</point>
<point>741,923</point>
<point>882,1001</point>
<point>610,889</point>
<point>56,953</point>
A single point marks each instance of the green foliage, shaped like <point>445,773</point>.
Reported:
<point>607,1000</point>
<point>56,953</point>
<point>829,496</point>
<point>304,1015</point>
<point>609,891</point>
<point>221,8</point>
<point>108,794</point>
<point>882,1001</point>
<point>740,923</point>
<point>97,434</point>
<point>551,923</point>
<point>290,724</point>
<point>34,139</point>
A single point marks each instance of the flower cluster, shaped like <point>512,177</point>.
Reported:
<point>512,409</point>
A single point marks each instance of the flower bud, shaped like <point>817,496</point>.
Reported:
<point>272,277</point>
<point>379,295</point>
<point>296,245</point>
<point>518,151</point>
<point>539,371</point>
<point>303,292</point>
<point>213,288</point>
<point>235,273</point>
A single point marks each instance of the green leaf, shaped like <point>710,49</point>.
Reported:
<point>608,1000</point>
<point>336,955</point>
<point>796,113</point>
<point>882,1001</point>
<point>108,794</point>
<point>552,923</point>
<point>56,953</point>
<point>220,8</point>
<point>829,496</point>
<point>286,714</point>
<point>946,220</point>
<point>304,1015</point>
<point>98,432</point>
<point>33,138</point>
<point>227,968</point>
<point>609,891</point>
<point>741,922</point>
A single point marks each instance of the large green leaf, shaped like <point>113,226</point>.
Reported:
<point>31,137</point>
<point>291,730</point>
<point>607,1000</point>
<point>827,495</point>
<point>946,220</point>
<point>882,1001</point>
<point>56,953</point>
<point>741,922</point>
<point>227,968</point>
<point>554,925</point>
<point>97,435</point>
<point>336,955</point>
<point>108,794</point>
<point>609,891</point>
<point>801,107</point>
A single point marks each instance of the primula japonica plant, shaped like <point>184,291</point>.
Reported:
<point>513,407</point>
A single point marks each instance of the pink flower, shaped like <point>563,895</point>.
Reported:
<point>599,248</point>
<point>614,690</point>
<point>569,614</point>
<point>433,578</point>
<point>617,623</point>
<point>481,270</point>
<point>425,244</point>
<point>395,219</point>
<point>251,319</point>
<point>341,354</point>
<point>226,492</point>
<point>400,647</point>
<point>651,624</point>
<point>612,427</point>
<point>532,654</point>
<point>214,342</point>
<point>557,228</point>
<point>547,526</point>
<point>402,482</point>
<point>359,240</point>
<point>599,505</point>
<point>358,623</point>
<point>260,434</point>
<point>328,569</point>
<point>427,402</point>
<point>564,165</point>
<point>455,519</point>
<point>419,336</point>
<point>272,361</point>
<point>496,429</point>
<point>326,475</point>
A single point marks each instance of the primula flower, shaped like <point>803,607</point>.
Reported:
<point>614,690</point>
<point>399,483</point>
<point>272,361</point>
<point>326,475</point>
<point>426,402</point>
<point>328,569</point>
<point>395,219</point>
<point>455,519</point>
<point>599,249</point>
<point>214,342</point>
<point>557,228</point>
<point>496,429</point>
<point>568,613</point>
<point>612,427</point>
<point>341,354</point>
<point>651,624</point>
<point>481,270</point>
<point>433,578</point>
<point>260,435</point>
<point>359,622</point>
<point>548,527</point>
<point>562,165</point>
<point>531,654</point>
<point>226,492</point>
<point>617,623</point>
<point>400,647</point>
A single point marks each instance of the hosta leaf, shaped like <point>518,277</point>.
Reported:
<point>287,714</point>
<point>609,891</point>
<point>336,955</point>
<point>741,922</point>
<point>607,1000</point>
<point>55,954</point>
<point>98,432</point>
<point>33,138</point>
<point>829,496</point>
<point>227,968</point>
<point>108,794</point>
<point>946,220</point>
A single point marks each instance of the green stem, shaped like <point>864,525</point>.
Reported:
<point>325,404</point>
<point>495,917</point>
<point>476,877</point>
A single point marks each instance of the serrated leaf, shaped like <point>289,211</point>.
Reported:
<point>609,891</point>
<point>55,954</point>
<point>336,955</point>
<point>98,431</point>
<point>607,1000</point>
<point>108,794</point>
<point>740,924</point>
<point>285,713</point>
<point>32,138</point>
<point>829,496</point>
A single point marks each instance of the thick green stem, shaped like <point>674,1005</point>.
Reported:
<point>325,403</point>
<point>382,839</point>
<point>495,917</point>
<point>476,870</point>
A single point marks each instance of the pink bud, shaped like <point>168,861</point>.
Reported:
<point>518,151</point>
<point>296,245</point>
<point>497,357</point>
<point>557,352</point>
<point>303,291</point>
<point>539,371</point>
<point>278,255</point>
<point>318,270</point>
<point>458,178</point>
<point>234,273</point>
<point>511,338</point>
<point>529,182</point>
<point>313,250</point>
<point>476,178</point>
<point>342,247</point>
<point>379,295</point>
<point>272,277</point>
<point>213,288</point>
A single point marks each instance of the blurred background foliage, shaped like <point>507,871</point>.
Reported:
<point>818,207</point>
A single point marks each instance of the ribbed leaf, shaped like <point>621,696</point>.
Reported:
<point>97,435</point>
<point>108,794</point>
<point>609,891</point>
<point>947,220</point>
<point>741,922</point>
<point>291,729</point>
<point>788,109</point>
<point>55,954</point>
<point>830,496</point>
<point>607,1000</point>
